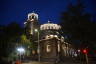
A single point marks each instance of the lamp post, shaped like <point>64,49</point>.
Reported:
<point>21,51</point>
<point>79,53</point>
<point>36,30</point>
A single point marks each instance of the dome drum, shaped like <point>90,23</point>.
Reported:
<point>50,26</point>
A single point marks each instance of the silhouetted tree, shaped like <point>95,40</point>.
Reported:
<point>77,25</point>
<point>9,36</point>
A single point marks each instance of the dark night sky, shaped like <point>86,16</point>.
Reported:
<point>17,10</point>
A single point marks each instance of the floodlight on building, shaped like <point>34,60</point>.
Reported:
<point>51,36</point>
<point>36,30</point>
<point>55,36</point>
<point>25,22</point>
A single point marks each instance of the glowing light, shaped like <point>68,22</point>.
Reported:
<point>21,50</point>
<point>36,30</point>
<point>85,51</point>
<point>51,36</point>
<point>25,22</point>
<point>55,36</point>
<point>79,50</point>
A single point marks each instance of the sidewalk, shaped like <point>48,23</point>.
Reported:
<point>34,62</point>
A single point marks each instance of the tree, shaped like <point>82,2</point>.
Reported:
<point>77,25</point>
<point>9,38</point>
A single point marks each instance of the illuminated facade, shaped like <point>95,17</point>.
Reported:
<point>31,24</point>
<point>52,46</point>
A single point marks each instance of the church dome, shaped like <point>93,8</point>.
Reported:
<point>49,26</point>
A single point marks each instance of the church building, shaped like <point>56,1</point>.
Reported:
<point>50,43</point>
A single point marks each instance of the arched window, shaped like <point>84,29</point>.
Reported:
<point>32,16</point>
<point>48,48</point>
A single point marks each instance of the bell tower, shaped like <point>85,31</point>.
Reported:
<point>33,17</point>
<point>31,24</point>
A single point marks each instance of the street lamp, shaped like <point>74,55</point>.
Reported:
<point>36,30</point>
<point>21,51</point>
<point>79,54</point>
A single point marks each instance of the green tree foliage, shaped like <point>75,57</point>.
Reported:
<point>24,40</point>
<point>77,25</point>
